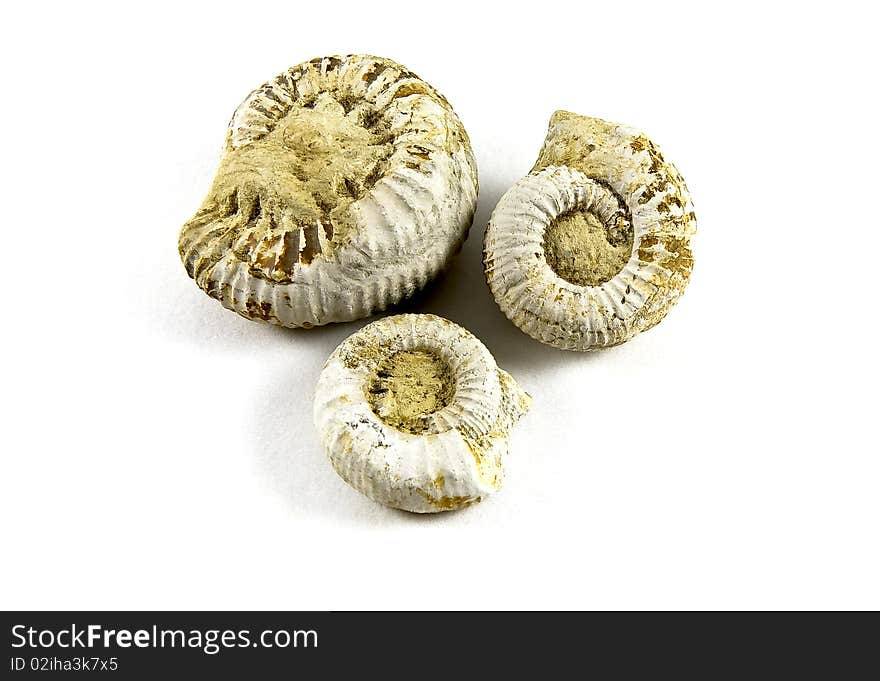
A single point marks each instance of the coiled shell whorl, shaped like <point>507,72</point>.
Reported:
<point>593,246</point>
<point>414,413</point>
<point>346,185</point>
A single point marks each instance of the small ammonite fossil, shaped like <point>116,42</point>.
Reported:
<point>593,246</point>
<point>346,184</point>
<point>414,413</point>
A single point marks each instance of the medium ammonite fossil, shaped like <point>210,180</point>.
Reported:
<point>346,184</point>
<point>414,413</point>
<point>593,246</point>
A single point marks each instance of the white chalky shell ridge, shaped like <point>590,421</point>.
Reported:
<point>613,161</point>
<point>458,460</point>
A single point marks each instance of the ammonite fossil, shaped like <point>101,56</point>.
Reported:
<point>346,184</point>
<point>414,413</point>
<point>593,246</point>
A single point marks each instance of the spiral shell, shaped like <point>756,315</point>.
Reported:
<point>415,414</point>
<point>593,246</point>
<point>347,183</point>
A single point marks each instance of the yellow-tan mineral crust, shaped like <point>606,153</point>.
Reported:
<point>581,249</point>
<point>409,386</point>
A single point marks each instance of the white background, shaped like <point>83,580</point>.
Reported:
<point>158,450</point>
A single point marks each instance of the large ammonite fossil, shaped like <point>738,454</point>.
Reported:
<point>346,185</point>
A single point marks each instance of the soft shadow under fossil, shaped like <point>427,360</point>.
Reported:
<point>294,465</point>
<point>302,475</point>
<point>300,472</point>
<point>462,296</point>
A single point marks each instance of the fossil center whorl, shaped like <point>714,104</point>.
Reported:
<point>300,177</point>
<point>592,243</point>
<point>408,386</point>
<point>325,154</point>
